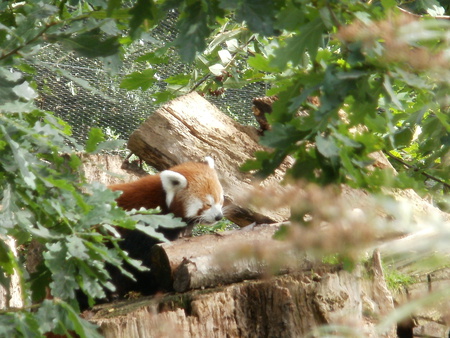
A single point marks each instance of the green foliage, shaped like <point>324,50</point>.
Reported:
<point>374,93</point>
<point>45,199</point>
<point>203,229</point>
<point>397,281</point>
<point>380,88</point>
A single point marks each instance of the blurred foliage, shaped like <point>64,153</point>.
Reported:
<point>379,69</point>
<point>205,229</point>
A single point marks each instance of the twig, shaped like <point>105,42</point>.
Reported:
<point>446,17</point>
<point>15,50</point>
<point>207,76</point>
<point>203,79</point>
<point>334,17</point>
<point>409,166</point>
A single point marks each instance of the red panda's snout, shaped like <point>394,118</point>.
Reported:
<point>193,192</point>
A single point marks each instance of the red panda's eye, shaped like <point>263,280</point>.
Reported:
<point>208,205</point>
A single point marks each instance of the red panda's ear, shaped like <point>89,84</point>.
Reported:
<point>209,161</point>
<point>172,182</point>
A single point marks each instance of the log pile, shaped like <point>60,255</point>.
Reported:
<point>285,306</point>
<point>242,283</point>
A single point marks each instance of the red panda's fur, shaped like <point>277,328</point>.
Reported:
<point>146,192</point>
<point>192,189</point>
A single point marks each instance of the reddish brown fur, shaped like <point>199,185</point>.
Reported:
<point>202,180</point>
<point>148,192</point>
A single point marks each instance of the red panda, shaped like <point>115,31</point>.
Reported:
<point>190,190</point>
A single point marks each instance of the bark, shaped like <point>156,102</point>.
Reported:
<point>230,257</point>
<point>11,297</point>
<point>190,128</point>
<point>284,306</point>
<point>110,169</point>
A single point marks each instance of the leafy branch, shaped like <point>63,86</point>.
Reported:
<point>414,168</point>
<point>4,56</point>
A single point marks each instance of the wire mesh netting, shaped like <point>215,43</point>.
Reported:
<point>84,94</point>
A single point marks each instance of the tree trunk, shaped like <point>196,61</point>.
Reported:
<point>11,297</point>
<point>225,258</point>
<point>285,306</point>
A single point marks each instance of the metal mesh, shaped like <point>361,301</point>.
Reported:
<point>97,100</point>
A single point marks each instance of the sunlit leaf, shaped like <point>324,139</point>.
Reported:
<point>143,80</point>
<point>95,137</point>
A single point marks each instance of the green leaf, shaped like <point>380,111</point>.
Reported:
<point>25,91</point>
<point>281,136</point>
<point>259,62</point>
<point>6,258</point>
<point>391,92</point>
<point>92,45</point>
<point>224,37</point>
<point>25,324</point>
<point>143,80</point>
<point>151,231</point>
<point>155,57</point>
<point>388,4</point>
<point>308,39</point>
<point>95,137</point>
<point>193,31</point>
<point>76,248</point>
<point>327,146</point>
<point>63,283</point>
<point>144,11</point>
<point>258,15</point>
<point>402,137</point>
<point>165,221</point>
<point>112,6</point>
<point>20,156</point>
<point>179,79</point>
<point>444,119</point>
<point>82,327</point>
<point>291,17</point>
<point>265,163</point>
<point>163,96</point>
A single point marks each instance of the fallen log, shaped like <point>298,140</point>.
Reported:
<point>225,258</point>
<point>291,305</point>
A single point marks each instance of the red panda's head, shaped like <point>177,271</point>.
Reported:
<point>193,192</point>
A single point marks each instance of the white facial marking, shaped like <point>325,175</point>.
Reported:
<point>210,161</point>
<point>193,206</point>
<point>210,215</point>
<point>172,182</point>
<point>213,214</point>
<point>209,200</point>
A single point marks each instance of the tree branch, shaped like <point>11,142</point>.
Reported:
<point>409,166</point>
<point>15,50</point>
<point>446,17</point>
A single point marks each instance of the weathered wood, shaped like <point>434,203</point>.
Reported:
<point>190,128</point>
<point>109,169</point>
<point>285,306</point>
<point>12,296</point>
<point>233,256</point>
